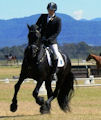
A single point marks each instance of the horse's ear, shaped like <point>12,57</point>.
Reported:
<point>28,26</point>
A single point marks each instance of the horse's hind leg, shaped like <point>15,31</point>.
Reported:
<point>39,100</point>
<point>45,108</point>
<point>13,106</point>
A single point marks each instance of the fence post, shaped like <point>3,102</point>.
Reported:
<point>42,90</point>
<point>6,80</point>
<point>91,78</point>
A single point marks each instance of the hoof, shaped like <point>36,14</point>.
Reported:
<point>13,107</point>
<point>40,100</point>
<point>45,109</point>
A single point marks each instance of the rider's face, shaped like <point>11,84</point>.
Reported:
<point>51,12</point>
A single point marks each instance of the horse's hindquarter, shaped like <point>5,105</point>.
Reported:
<point>66,69</point>
<point>67,61</point>
<point>98,61</point>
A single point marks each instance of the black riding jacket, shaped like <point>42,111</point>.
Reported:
<point>50,30</point>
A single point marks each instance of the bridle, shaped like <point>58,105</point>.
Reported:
<point>35,46</point>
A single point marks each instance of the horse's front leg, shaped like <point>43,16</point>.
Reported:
<point>39,100</point>
<point>13,106</point>
<point>45,108</point>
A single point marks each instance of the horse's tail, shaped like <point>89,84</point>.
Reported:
<point>66,92</point>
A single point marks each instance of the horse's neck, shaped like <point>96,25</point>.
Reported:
<point>41,52</point>
<point>96,58</point>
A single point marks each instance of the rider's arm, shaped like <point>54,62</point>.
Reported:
<point>39,21</point>
<point>58,30</point>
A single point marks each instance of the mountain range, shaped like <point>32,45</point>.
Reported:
<point>14,31</point>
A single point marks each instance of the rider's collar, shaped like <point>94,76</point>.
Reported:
<point>51,16</point>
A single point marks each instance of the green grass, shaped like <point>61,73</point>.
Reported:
<point>85,105</point>
<point>9,71</point>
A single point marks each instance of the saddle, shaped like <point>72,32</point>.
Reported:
<point>50,58</point>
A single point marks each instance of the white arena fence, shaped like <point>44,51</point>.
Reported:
<point>88,82</point>
<point>91,81</point>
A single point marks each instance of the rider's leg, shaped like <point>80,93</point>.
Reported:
<point>56,52</point>
<point>57,55</point>
<point>54,48</point>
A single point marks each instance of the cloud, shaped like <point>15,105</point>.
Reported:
<point>78,14</point>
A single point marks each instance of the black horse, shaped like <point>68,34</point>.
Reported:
<point>35,65</point>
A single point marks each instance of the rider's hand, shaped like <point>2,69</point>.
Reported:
<point>44,41</point>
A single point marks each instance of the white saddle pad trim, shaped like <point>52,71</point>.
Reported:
<point>60,60</point>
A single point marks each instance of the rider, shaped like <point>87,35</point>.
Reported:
<point>10,56</point>
<point>50,26</point>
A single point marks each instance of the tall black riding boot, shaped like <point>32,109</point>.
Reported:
<point>54,76</point>
<point>55,62</point>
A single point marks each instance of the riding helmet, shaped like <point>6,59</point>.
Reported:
<point>52,6</point>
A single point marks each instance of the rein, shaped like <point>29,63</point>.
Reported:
<point>41,59</point>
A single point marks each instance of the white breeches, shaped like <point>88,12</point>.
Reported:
<point>55,50</point>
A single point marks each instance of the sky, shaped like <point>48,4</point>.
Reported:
<point>79,9</point>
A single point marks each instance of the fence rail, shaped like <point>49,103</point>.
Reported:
<point>84,71</point>
<point>88,82</point>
